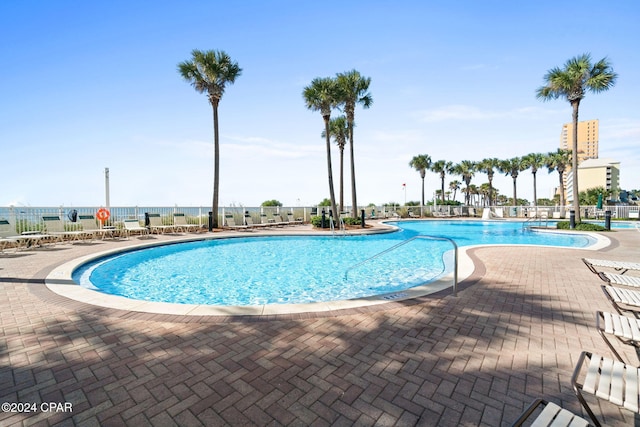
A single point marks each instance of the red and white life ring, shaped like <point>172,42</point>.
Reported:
<point>103,214</point>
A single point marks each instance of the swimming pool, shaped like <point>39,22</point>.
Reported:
<point>249,271</point>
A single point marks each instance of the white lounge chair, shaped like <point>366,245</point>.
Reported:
<point>623,299</point>
<point>8,237</point>
<point>293,220</point>
<point>230,222</point>
<point>156,225</point>
<point>180,223</point>
<point>90,225</point>
<point>132,226</point>
<point>606,379</point>
<point>55,227</point>
<point>548,414</point>
<point>626,329</point>
<point>621,266</point>
<point>248,221</point>
<point>620,279</point>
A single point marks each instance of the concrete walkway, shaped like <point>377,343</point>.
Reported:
<point>513,333</point>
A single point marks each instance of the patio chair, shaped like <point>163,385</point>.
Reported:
<point>248,221</point>
<point>180,223</point>
<point>621,266</point>
<point>548,414</point>
<point>132,226</point>
<point>55,227</point>
<point>264,220</point>
<point>605,379</point>
<point>90,225</point>
<point>156,225</point>
<point>8,237</point>
<point>619,279</point>
<point>623,299</point>
<point>230,222</point>
<point>293,220</point>
<point>277,221</point>
<point>625,329</point>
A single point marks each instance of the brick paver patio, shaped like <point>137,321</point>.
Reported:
<point>513,333</point>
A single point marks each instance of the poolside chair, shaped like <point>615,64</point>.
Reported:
<point>621,266</point>
<point>278,221</point>
<point>293,220</point>
<point>248,221</point>
<point>156,225</point>
<point>229,222</point>
<point>132,226</point>
<point>8,237</point>
<point>90,225</point>
<point>623,299</point>
<point>264,220</point>
<point>606,379</point>
<point>619,279</point>
<point>626,329</point>
<point>180,223</point>
<point>548,414</point>
<point>55,227</point>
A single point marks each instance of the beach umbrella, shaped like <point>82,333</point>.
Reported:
<point>599,205</point>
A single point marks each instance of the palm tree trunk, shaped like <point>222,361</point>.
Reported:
<point>441,187</point>
<point>422,201</point>
<point>515,194</point>
<point>216,167</point>
<point>354,202</point>
<point>341,178</point>
<point>574,161</point>
<point>535,192</point>
<point>332,195</point>
<point>562,200</point>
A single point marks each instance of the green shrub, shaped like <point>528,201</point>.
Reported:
<point>582,226</point>
<point>351,221</point>
<point>316,221</point>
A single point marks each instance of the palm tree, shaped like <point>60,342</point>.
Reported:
<point>353,90</point>
<point>338,130</point>
<point>442,167</point>
<point>210,71</point>
<point>512,167</point>
<point>571,82</point>
<point>534,161</point>
<point>558,161</point>
<point>455,186</point>
<point>323,95</point>
<point>466,169</point>
<point>487,166</point>
<point>421,163</point>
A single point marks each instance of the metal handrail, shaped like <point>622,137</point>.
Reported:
<point>536,218</point>
<point>455,257</point>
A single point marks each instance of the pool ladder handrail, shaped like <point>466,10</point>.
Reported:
<point>333,228</point>
<point>421,236</point>
<point>536,218</point>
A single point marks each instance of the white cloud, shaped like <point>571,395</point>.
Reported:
<point>468,112</point>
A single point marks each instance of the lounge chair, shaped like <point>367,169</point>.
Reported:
<point>90,225</point>
<point>606,379</point>
<point>621,266</point>
<point>132,226</point>
<point>278,221</point>
<point>264,220</point>
<point>293,220</point>
<point>623,299</point>
<point>8,237</point>
<point>156,225</point>
<point>626,329</point>
<point>619,279</point>
<point>180,223</point>
<point>551,415</point>
<point>55,227</point>
<point>229,222</point>
<point>248,221</point>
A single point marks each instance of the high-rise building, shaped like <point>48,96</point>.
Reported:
<point>587,139</point>
<point>593,173</point>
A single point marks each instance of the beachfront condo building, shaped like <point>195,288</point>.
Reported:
<point>588,135</point>
<point>593,173</point>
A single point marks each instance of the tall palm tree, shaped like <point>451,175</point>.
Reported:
<point>512,167</point>
<point>338,130</point>
<point>534,161</point>
<point>353,90</point>
<point>558,161</point>
<point>421,163</point>
<point>466,169</point>
<point>455,186</point>
<point>323,95</point>
<point>487,166</point>
<point>442,167</point>
<point>571,82</point>
<point>210,71</point>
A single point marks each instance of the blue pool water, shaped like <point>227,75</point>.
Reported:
<point>300,269</point>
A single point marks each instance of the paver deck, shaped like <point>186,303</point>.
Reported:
<point>513,333</point>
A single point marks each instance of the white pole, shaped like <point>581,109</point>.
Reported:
<point>106,188</point>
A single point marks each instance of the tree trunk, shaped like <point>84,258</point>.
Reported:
<point>332,195</point>
<point>354,202</point>
<point>574,161</point>
<point>535,192</point>
<point>341,206</point>
<point>216,166</point>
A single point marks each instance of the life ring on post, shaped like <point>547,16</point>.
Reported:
<point>103,214</point>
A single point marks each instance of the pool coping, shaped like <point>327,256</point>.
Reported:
<point>60,281</point>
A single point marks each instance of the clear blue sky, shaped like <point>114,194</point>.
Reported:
<point>87,85</point>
